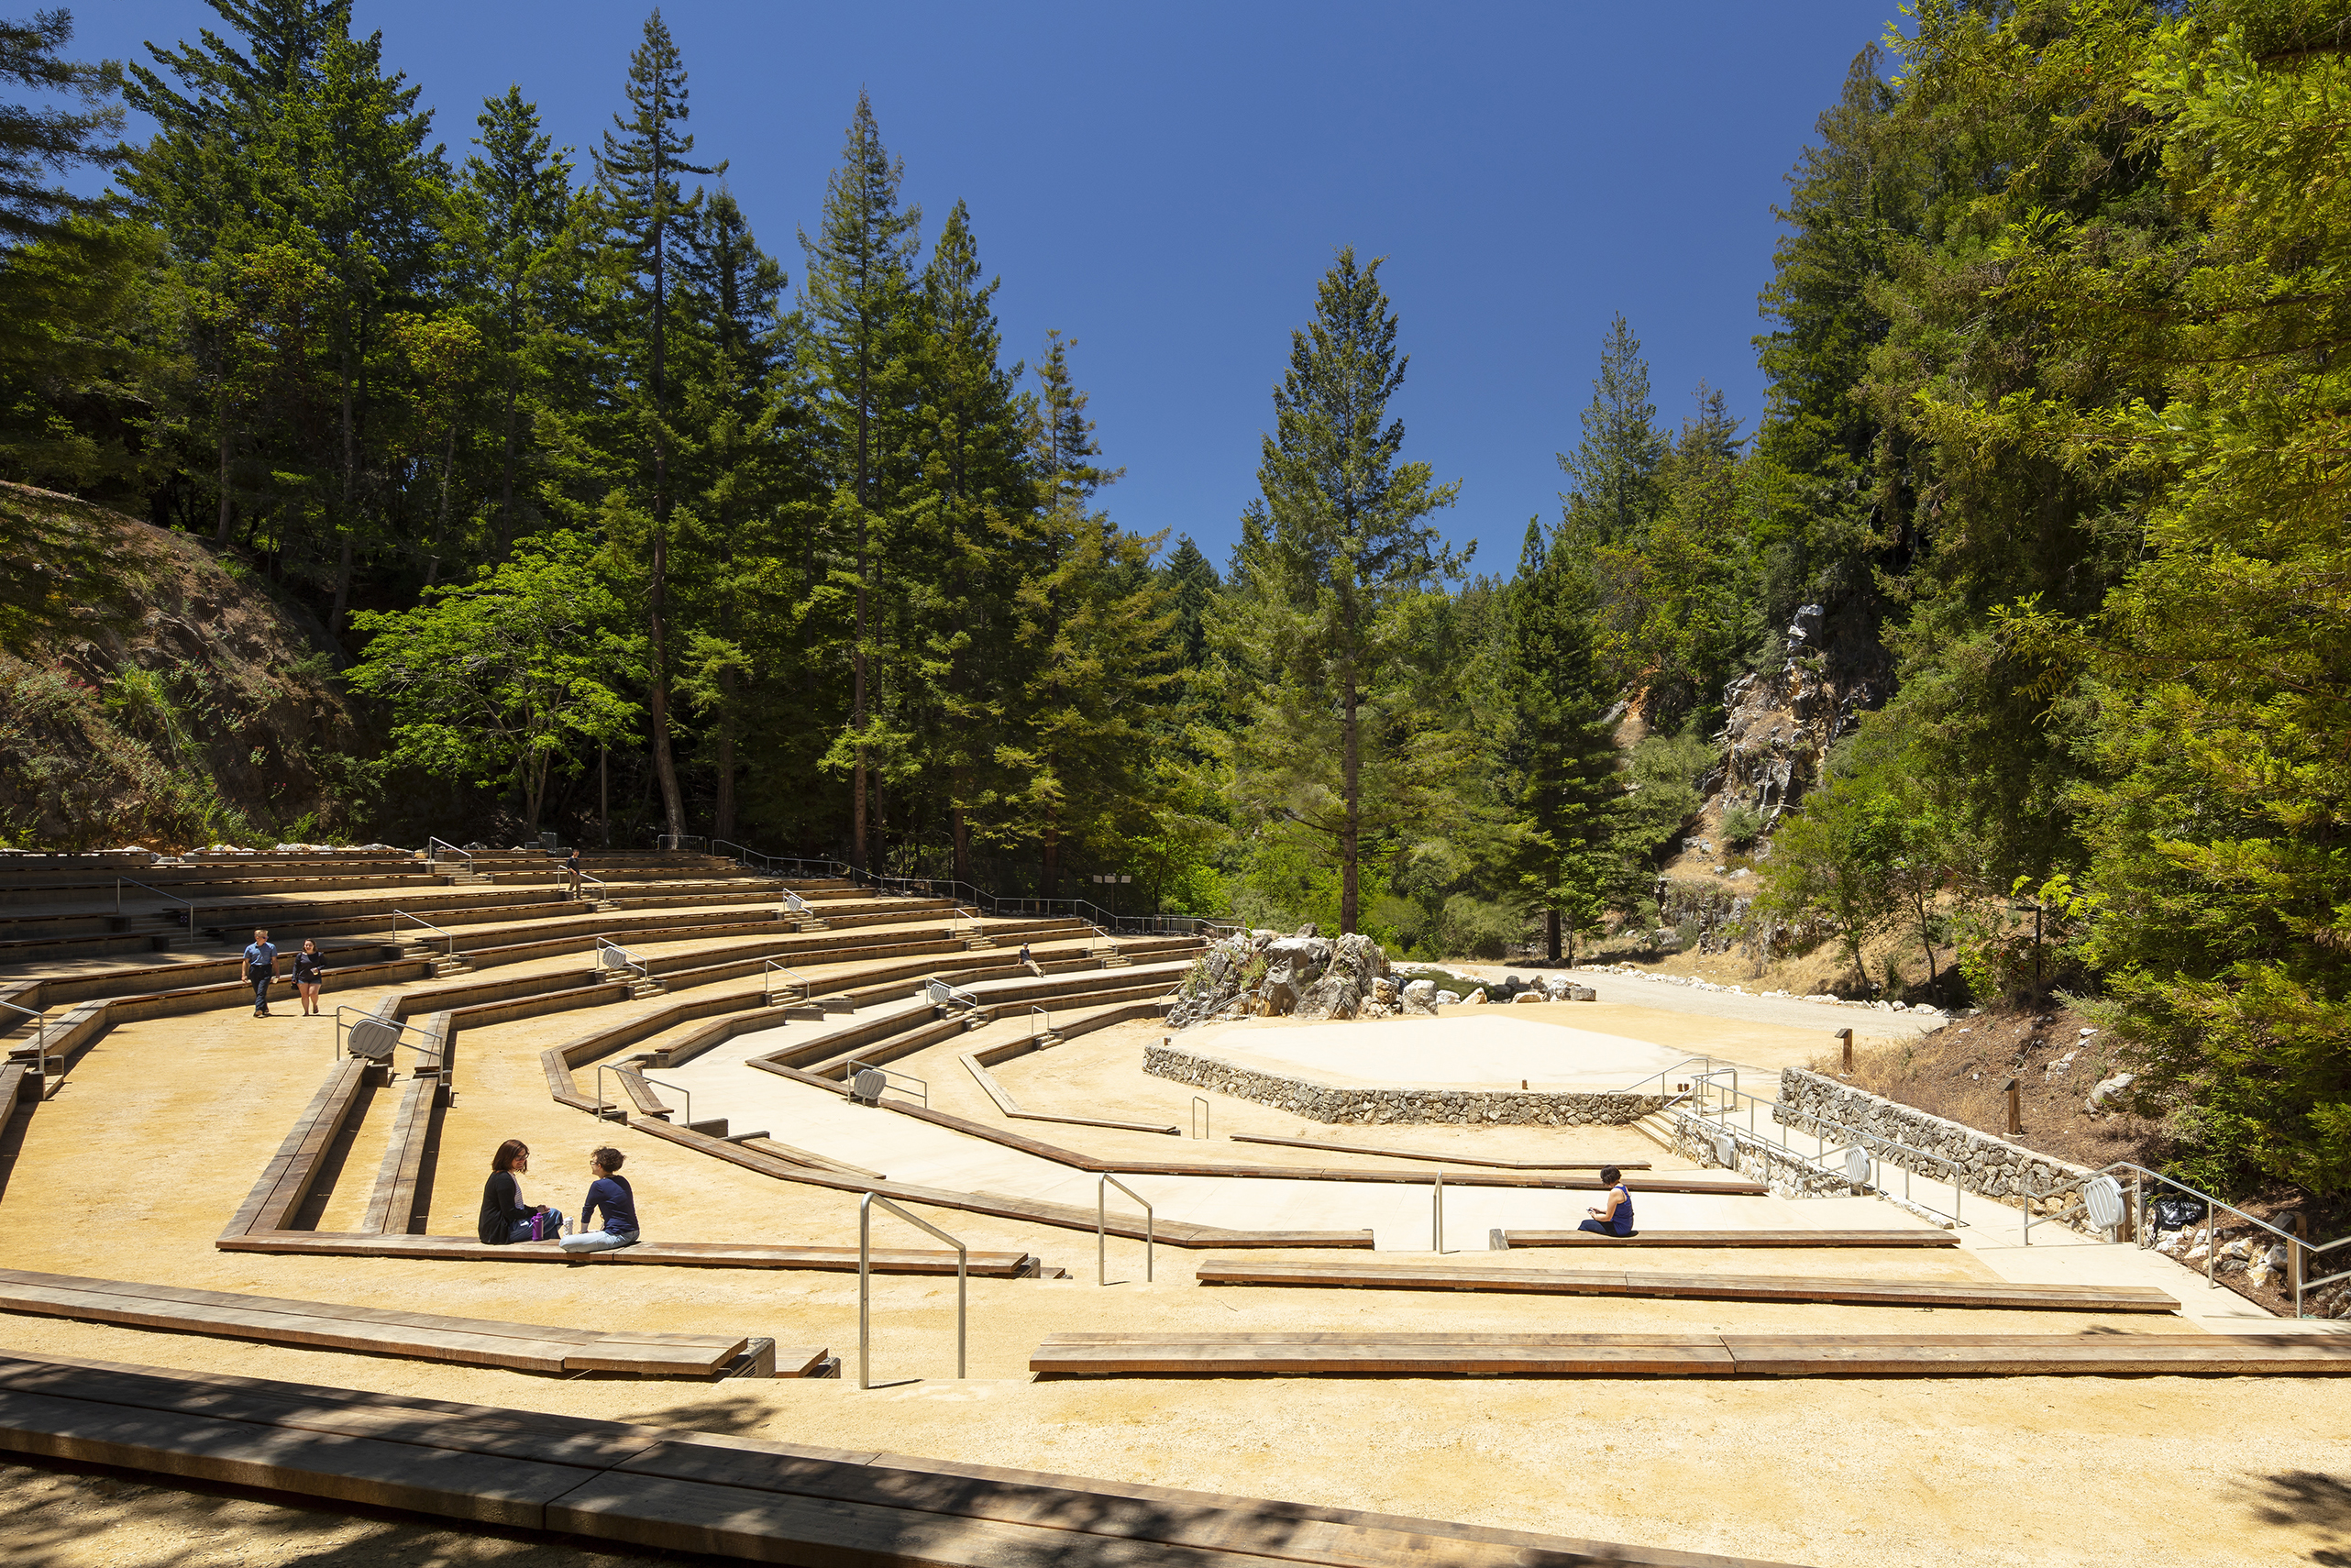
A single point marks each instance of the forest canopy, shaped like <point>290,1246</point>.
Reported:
<point>2035,569</point>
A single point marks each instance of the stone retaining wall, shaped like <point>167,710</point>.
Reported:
<point>1326,1103</point>
<point>1991,1166</point>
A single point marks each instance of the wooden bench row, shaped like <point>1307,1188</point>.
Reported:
<point>424,1336</point>
<point>714,1494</point>
<point>670,1255</point>
<point>1436,1354</point>
<point>1438,1159</point>
<point>1339,1275</point>
<point>1907,1236</point>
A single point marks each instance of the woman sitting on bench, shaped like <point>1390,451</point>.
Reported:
<point>608,1190</point>
<point>1616,1219</point>
<point>504,1216</point>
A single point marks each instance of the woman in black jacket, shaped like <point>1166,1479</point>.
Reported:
<point>309,974</point>
<point>504,1216</point>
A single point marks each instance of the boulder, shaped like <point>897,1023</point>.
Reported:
<point>1531,996</point>
<point>1475,998</point>
<point>2108,1095</point>
<point>1420,996</point>
<point>1444,998</point>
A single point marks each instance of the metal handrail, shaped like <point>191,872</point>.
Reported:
<point>795,903</point>
<point>40,1043</point>
<point>1437,1215</point>
<point>1102,1223</point>
<point>865,1285</point>
<point>399,1029</point>
<point>432,858</point>
<point>2297,1249</point>
<point>676,842</point>
<point>1871,1143</point>
<point>1659,1078</point>
<point>1200,1127</point>
<point>1036,1012</point>
<point>159,893</point>
<point>855,1066</point>
<point>605,945</point>
<point>941,994</point>
<point>769,970</point>
<point>399,915</point>
<point>616,1069</point>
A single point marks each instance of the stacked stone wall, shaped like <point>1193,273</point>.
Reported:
<point>1990,1166</point>
<point>1328,1103</point>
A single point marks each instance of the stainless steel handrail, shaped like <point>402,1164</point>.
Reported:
<point>1102,1224</point>
<point>769,970</point>
<point>1200,1127</point>
<point>603,1105</point>
<point>795,903</point>
<point>679,1088</point>
<point>855,1066</point>
<point>1872,1144</point>
<point>628,960</point>
<point>1035,1013</point>
<point>159,893</point>
<point>1659,1078</point>
<point>399,915</point>
<point>865,1284</point>
<point>1437,1215</point>
<point>433,860</point>
<point>2297,1249</point>
<point>399,1029</point>
<point>40,1043</point>
<point>941,994</point>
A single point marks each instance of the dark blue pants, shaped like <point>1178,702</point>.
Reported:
<point>262,989</point>
<point>1598,1227</point>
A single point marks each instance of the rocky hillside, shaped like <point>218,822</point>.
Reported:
<point>150,693</point>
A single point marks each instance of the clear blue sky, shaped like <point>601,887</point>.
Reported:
<point>1165,184</point>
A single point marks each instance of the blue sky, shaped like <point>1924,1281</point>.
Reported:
<point>1167,183</point>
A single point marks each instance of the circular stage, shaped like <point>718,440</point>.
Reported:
<point>1482,1050</point>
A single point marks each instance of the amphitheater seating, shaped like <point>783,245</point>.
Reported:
<point>719,1494</point>
<point>1693,1287</point>
<point>1446,1159</point>
<point>422,1336</point>
<point>1431,1354</point>
<point>1909,1236</point>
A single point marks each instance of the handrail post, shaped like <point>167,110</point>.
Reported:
<point>1202,1120</point>
<point>1102,1228</point>
<point>1437,1215</point>
<point>865,1285</point>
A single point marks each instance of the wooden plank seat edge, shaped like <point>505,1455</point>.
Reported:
<point>681,1254</point>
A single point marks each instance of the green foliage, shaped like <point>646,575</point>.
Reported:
<point>1741,826</point>
<point>506,675</point>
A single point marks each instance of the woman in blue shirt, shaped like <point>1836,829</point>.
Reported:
<point>608,1190</point>
<point>1617,1218</point>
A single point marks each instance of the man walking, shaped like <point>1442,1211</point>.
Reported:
<point>571,869</point>
<point>260,963</point>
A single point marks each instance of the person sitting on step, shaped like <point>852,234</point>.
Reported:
<point>504,1216</point>
<point>609,1192</point>
<point>1617,1218</point>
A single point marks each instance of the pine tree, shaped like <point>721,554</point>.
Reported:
<point>1569,785</point>
<point>36,142</point>
<point>860,293</point>
<point>1193,586</point>
<point>513,228</point>
<point>1335,563</point>
<point>1611,473</point>
<point>638,168</point>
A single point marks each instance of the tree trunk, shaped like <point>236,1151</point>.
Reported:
<point>220,533</point>
<point>1550,932</point>
<point>506,475</point>
<point>1351,766</point>
<point>723,808</point>
<point>665,766</point>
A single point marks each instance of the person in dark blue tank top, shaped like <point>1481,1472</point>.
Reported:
<point>1617,1218</point>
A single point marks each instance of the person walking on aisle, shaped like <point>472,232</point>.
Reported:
<point>260,963</point>
<point>309,973</point>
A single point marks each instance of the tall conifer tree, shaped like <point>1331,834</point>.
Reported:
<point>639,169</point>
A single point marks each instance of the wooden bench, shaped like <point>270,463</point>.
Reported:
<point>1907,1236</point>
<point>1434,1354</point>
<point>1336,1273</point>
<point>681,1254</point>
<point>427,1336</point>
<point>711,1493</point>
<point>1439,1159</point>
